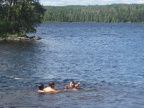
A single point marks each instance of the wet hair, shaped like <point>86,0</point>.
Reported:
<point>72,82</point>
<point>40,86</point>
<point>51,83</point>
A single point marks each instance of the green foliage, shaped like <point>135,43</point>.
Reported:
<point>98,13</point>
<point>20,16</point>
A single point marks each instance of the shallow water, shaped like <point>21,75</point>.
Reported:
<point>107,58</point>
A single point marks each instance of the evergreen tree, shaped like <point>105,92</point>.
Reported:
<point>20,16</point>
<point>98,13</point>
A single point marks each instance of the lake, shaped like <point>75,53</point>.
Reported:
<point>107,58</point>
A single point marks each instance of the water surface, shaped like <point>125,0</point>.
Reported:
<point>107,58</point>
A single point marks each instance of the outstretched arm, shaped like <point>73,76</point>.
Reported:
<point>51,90</point>
<point>55,91</point>
<point>77,84</point>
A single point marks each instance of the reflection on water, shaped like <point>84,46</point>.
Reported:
<point>106,58</point>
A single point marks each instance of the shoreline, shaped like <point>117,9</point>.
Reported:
<point>20,38</point>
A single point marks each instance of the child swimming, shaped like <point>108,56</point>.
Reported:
<point>41,87</point>
<point>72,85</point>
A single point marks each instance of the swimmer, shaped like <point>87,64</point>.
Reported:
<point>72,85</point>
<point>41,88</point>
<point>51,88</point>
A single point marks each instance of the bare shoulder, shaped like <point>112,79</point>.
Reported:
<point>50,90</point>
<point>46,89</point>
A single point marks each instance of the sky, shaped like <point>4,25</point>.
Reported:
<point>87,2</point>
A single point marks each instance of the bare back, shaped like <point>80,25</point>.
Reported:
<point>51,90</point>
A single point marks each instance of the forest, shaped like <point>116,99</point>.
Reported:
<point>19,17</point>
<point>97,13</point>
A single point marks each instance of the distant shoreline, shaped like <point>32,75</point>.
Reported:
<point>124,13</point>
<point>88,22</point>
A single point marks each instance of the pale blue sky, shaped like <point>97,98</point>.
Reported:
<point>87,2</point>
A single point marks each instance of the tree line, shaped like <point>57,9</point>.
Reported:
<point>22,16</point>
<point>19,16</point>
<point>97,13</point>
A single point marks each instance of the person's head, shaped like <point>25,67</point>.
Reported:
<point>51,84</point>
<point>40,86</point>
<point>72,84</point>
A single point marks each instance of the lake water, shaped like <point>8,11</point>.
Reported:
<point>107,58</point>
